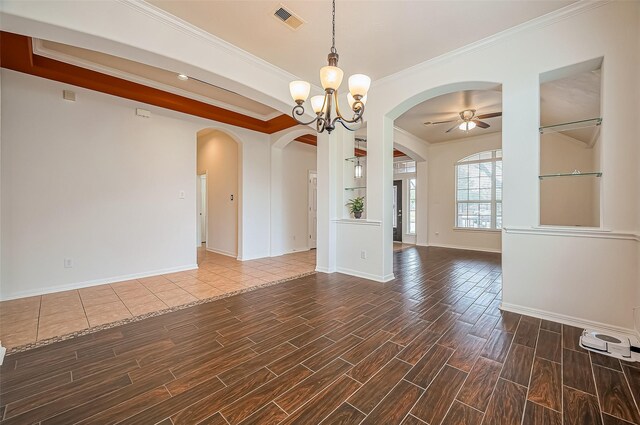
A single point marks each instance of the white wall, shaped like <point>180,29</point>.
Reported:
<point>218,157</point>
<point>289,231</point>
<point>441,204</point>
<point>91,181</point>
<point>516,59</point>
<point>568,201</point>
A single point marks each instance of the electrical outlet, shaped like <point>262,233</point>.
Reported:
<point>181,194</point>
<point>363,255</point>
<point>68,263</point>
<point>294,237</point>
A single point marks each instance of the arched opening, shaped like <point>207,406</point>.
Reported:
<point>451,205</point>
<point>219,197</point>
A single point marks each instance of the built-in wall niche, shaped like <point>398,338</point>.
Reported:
<point>570,123</point>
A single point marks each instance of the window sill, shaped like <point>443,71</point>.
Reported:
<point>472,229</point>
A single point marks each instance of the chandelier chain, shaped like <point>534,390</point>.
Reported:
<point>333,38</point>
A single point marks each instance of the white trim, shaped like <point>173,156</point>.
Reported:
<point>466,248</point>
<point>570,320</point>
<point>357,221</point>
<point>223,252</point>
<point>3,351</point>
<point>539,22</point>
<point>94,282</point>
<point>291,251</point>
<point>322,269</point>
<point>52,54</point>
<point>573,232</point>
<point>364,275</point>
<point>475,229</point>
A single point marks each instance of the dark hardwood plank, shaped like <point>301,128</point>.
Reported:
<point>324,403</point>
<point>549,346</point>
<point>605,361</point>
<point>371,364</point>
<point>580,408</point>
<point>576,371</point>
<point>460,414</point>
<point>301,354</point>
<point>344,415</point>
<point>466,353</point>
<point>268,415</point>
<point>548,325</point>
<point>571,338</point>
<point>527,332</point>
<point>366,347</point>
<point>428,367</point>
<point>395,405</point>
<point>497,347</point>
<point>418,347</point>
<point>314,384</point>
<point>379,385</point>
<point>332,352</point>
<point>517,366</point>
<point>545,388</point>
<point>614,394</point>
<point>478,387</point>
<point>432,407</point>
<point>507,404</point>
<point>535,414</point>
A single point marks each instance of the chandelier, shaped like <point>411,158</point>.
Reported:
<point>323,105</point>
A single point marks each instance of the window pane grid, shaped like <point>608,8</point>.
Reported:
<point>479,191</point>
<point>412,207</point>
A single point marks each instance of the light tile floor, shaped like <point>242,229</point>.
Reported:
<point>27,320</point>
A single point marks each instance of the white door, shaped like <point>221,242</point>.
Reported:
<point>313,209</point>
<point>202,208</point>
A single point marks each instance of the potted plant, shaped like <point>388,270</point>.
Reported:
<point>356,206</point>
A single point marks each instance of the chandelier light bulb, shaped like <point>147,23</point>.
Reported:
<point>331,77</point>
<point>299,90</point>
<point>317,102</point>
<point>183,77</point>
<point>359,85</point>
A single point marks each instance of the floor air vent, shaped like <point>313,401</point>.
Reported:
<point>291,20</point>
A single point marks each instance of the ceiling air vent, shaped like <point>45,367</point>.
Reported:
<point>286,16</point>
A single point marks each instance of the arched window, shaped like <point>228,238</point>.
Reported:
<point>479,191</point>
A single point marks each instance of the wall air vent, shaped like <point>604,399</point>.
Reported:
<point>286,16</point>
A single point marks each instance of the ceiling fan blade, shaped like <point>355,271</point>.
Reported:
<point>438,122</point>
<point>452,128</point>
<point>481,124</point>
<point>491,115</point>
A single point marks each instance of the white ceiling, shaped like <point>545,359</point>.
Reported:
<point>448,107</point>
<point>377,38</point>
<point>154,77</point>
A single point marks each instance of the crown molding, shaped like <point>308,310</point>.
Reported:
<point>185,27</point>
<point>40,50</point>
<point>540,22</point>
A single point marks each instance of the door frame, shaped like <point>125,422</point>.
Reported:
<point>399,200</point>
<point>309,206</point>
<point>206,208</point>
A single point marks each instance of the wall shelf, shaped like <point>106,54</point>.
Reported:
<point>567,126</point>
<point>355,188</point>
<point>574,174</point>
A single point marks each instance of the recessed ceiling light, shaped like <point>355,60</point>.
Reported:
<point>183,77</point>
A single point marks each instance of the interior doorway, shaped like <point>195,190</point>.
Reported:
<point>397,210</point>
<point>202,209</point>
<point>313,209</point>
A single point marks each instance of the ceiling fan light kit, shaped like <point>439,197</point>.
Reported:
<point>325,106</point>
<point>468,120</point>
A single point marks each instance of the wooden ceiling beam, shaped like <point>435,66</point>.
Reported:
<point>17,54</point>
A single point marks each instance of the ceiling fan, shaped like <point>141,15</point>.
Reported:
<point>468,120</point>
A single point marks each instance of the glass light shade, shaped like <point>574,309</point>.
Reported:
<point>299,90</point>
<point>352,100</point>
<point>331,77</point>
<point>467,125</point>
<point>316,103</point>
<point>357,170</point>
<point>183,77</point>
<point>359,84</point>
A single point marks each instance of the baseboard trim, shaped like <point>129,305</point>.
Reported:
<point>222,252</point>
<point>569,320</point>
<point>280,253</point>
<point>3,351</point>
<point>324,269</point>
<point>465,248</point>
<point>364,275</point>
<point>95,282</point>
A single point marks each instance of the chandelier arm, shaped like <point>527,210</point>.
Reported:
<point>359,112</point>
<point>299,111</point>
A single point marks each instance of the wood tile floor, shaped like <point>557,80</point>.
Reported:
<point>27,320</point>
<point>429,347</point>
